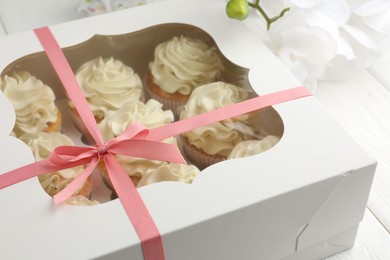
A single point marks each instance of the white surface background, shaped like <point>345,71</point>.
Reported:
<point>361,105</point>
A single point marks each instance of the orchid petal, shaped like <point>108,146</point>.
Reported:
<point>340,69</point>
<point>360,36</point>
<point>306,4</point>
<point>345,49</point>
<point>376,14</point>
<point>372,8</point>
<point>273,8</point>
<point>380,23</point>
<point>294,17</point>
<point>312,43</point>
<point>318,19</point>
<point>337,10</point>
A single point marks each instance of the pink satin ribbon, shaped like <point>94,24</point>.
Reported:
<point>136,141</point>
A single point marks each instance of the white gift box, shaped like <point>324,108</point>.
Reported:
<point>302,199</point>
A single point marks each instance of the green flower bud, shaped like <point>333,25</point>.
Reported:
<point>237,9</point>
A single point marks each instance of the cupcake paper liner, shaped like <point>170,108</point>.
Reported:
<point>78,122</point>
<point>103,171</point>
<point>200,158</point>
<point>175,106</point>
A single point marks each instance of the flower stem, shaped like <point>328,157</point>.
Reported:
<point>269,20</point>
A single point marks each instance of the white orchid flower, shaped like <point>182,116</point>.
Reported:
<point>329,39</point>
<point>315,39</point>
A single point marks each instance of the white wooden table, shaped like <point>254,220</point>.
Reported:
<point>361,105</point>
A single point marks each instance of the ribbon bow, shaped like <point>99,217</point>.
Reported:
<point>132,142</point>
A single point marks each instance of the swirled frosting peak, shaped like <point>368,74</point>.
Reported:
<point>42,144</point>
<point>150,115</point>
<point>32,100</point>
<point>182,64</point>
<point>218,138</point>
<point>108,84</point>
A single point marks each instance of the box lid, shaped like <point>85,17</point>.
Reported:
<point>313,149</point>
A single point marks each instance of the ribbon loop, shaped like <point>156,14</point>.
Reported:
<point>133,131</point>
<point>68,154</point>
<point>152,150</point>
<point>76,184</point>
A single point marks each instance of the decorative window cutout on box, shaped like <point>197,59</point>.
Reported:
<point>153,76</point>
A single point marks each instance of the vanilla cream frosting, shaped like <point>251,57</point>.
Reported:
<point>252,147</point>
<point>221,137</point>
<point>42,144</point>
<point>150,115</point>
<point>81,200</point>
<point>182,64</point>
<point>32,100</point>
<point>108,84</point>
<point>170,172</point>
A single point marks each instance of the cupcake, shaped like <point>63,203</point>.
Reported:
<point>33,102</point>
<point>42,144</point>
<point>180,65</point>
<point>150,115</point>
<point>252,147</point>
<point>107,85</point>
<point>170,172</point>
<point>213,143</point>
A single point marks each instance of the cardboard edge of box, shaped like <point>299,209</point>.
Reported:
<point>303,239</point>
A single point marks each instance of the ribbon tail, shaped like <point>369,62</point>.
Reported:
<point>75,185</point>
<point>136,210</point>
<point>151,150</point>
<point>29,171</point>
<point>250,105</point>
<point>65,74</point>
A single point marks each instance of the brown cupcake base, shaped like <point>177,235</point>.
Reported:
<point>174,102</point>
<point>81,126</point>
<point>198,157</point>
<point>103,170</point>
<point>86,189</point>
